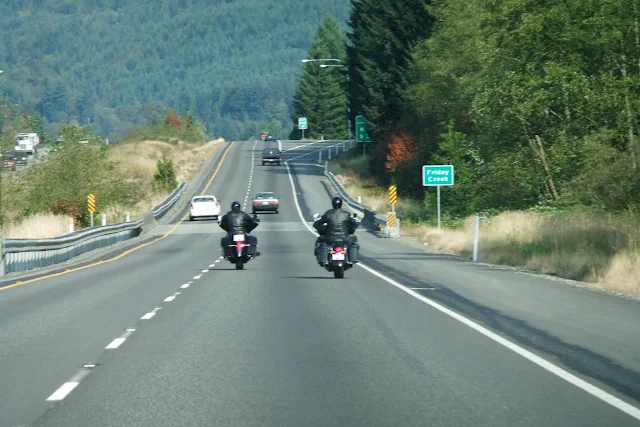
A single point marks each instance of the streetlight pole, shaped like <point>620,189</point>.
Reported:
<point>2,237</point>
<point>2,265</point>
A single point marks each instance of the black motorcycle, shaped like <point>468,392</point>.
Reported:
<point>339,261</point>
<point>240,250</point>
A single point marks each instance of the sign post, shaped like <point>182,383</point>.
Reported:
<point>302,125</point>
<point>437,176</point>
<point>393,199</point>
<point>91,204</point>
<point>361,133</point>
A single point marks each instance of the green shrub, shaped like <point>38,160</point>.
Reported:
<point>165,176</point>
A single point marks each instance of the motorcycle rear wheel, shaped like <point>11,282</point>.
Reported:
<point>338,274</point>
<point>239,265</point>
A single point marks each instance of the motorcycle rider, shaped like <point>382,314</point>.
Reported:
<point>238,222</point>
<point>336,224</point>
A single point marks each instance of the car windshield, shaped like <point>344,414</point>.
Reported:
<point>265,196</point>
<point>204,199</point>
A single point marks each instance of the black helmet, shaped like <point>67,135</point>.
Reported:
<point>336,202</point>
<point>235,207</point>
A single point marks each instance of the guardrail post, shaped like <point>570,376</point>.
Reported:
<point>343,145</point>
<point>360,199</point>
<point>2,263</point>
<point>476,237</point>
<point>329,153</point>
<point>326,166</point>
<point>71,226</point>
<point>104,220</point>
<point>128,219</point>
<point>397,227</point>
<point>320,157</point>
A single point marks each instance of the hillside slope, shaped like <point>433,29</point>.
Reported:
<point>113,63</point>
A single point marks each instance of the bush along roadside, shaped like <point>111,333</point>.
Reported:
<point>590,246</point>
<point>127,178</point>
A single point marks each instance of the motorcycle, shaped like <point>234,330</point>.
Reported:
<point>338,253</point>
<point>239,251</point>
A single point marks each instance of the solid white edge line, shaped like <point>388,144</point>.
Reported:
<point>63,391</point>
<point>169,299</point>
<point>303,145</point>
<point>115,343</point>
<point>548,366</point>
<point>148,316</point>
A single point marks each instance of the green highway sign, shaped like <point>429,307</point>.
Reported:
<point>436,175</point>
<point>302,123</point>
<point>361,130</point>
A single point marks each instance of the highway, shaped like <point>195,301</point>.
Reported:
<point>171,335</point>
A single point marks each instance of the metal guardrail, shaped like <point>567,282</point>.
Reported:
<point>370,216</point>
<point>28,254</point>
<point>165,206</point>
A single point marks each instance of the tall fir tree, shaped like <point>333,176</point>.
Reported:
<point>320,95</point>
<point>383,34</point>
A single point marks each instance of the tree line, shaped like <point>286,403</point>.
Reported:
<point>114,64</point>
<point>533,102</point>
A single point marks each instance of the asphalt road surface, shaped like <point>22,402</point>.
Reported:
<point>174,336</point>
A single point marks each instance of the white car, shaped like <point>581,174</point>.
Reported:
<point>204,207</point>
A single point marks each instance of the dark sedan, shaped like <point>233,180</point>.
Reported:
<point>265,202</point>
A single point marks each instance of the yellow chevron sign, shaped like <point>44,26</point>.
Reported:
<point>393,195</point>
<point>391,219</point>
<point>91,202</point>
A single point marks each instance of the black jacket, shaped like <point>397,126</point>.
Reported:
<point>336,224</point>
<point>238,223</point>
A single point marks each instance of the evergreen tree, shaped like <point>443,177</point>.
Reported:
<point>320,95</point>
<point>383,34</point>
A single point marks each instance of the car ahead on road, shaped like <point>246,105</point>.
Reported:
<point>265,201</point>
<point>271,155</point>
<point>263,135</point>
<point>270,136</point>
<point>204,207</point>
<point>9,162</point>
<point>21,158</point>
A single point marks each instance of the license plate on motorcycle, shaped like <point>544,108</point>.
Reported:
<point>238,238</point>
<point>338,257</point>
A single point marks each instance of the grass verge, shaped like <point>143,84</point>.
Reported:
<point>135,165</point>
<point>597,248</point>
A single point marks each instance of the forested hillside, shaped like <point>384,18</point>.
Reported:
<point>114,63</point>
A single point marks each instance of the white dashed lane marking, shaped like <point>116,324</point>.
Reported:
<point>63,391</point>
<point>115,343</point>
<point>185,286</point>
<point>148,315</point>
<point>169,299</point>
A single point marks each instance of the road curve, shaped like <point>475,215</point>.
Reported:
<point>280,343</point>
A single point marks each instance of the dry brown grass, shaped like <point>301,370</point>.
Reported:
<point>41,226</point>
<point>595,248</point>
<point>138,159</point>
<point>137,164</point>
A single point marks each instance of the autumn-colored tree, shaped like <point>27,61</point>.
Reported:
<point>173,120</point>
<point>402,148</point>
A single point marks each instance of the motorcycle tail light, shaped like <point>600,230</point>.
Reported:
<point>338,250</point>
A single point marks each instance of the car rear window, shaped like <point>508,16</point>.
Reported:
<point>266,196</point>
<point>203,199</point>
<point>271,151</point>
